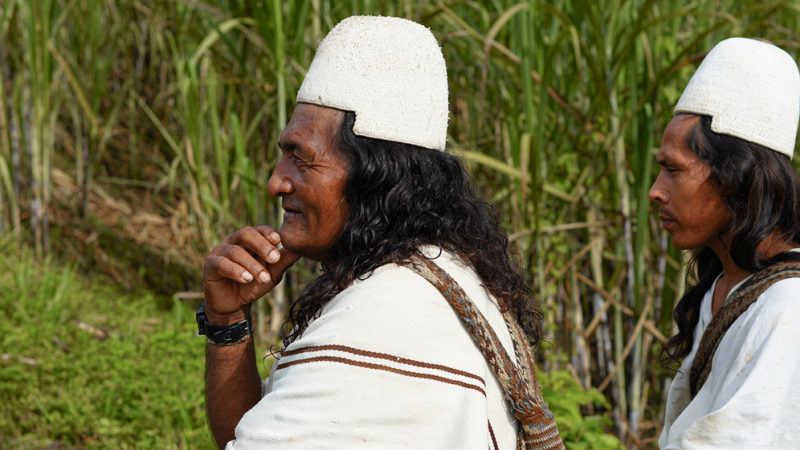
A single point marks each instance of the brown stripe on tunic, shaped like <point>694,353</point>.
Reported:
<point>386,356</point>
<point>381,367</point>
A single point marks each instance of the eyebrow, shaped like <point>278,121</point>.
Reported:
<point>287,146</point>
<point>667,161</point>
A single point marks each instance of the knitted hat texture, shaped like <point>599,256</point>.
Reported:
<point>751,90</point>
<point>390,72</point>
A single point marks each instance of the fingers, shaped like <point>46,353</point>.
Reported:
<point>238,264</point>
<point>252,248</point>
<point>253,255</point>
<point>261,241</point>
<point>245,266</point>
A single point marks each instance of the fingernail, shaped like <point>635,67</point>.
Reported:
<point>263,277</point>
<point>275,237</point>
<point>247,276</point>
<point>274,256</point>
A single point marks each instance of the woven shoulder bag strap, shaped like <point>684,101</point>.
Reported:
<point>538,427</point>
<point>733,307</point>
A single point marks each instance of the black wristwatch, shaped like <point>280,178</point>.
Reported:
<point>227,335</point>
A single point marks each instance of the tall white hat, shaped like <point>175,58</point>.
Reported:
<point>390,72</point>
<point>751,90</point>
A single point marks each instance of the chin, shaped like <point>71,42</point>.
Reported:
<point>683,245</point>
<point>288,240</point>
<point>301,242</point>
<point>302,250</point>
<point>290,244</point>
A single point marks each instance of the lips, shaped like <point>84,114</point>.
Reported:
<point>290,211</point>
<point>667,219</point>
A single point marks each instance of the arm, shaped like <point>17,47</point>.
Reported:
<point>241,269</point>
<point>232,387</point>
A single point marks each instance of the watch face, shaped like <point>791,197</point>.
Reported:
<point>201,328</point>
<point>200,317</point>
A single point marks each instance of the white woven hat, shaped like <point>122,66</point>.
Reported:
<point>390,72</point>
<point>751,90</point>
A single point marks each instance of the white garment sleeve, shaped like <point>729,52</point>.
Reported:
<point>751,398</point>
<point>387,364</point>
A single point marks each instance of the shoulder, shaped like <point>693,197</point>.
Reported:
<point>781,300</point>
<point>775,313</point>
<point>790,287</point>
<point>393,275</point>
<point>390,291</point>
<point>397,311</point>
<point>391,280</point>
<point>401,289</point>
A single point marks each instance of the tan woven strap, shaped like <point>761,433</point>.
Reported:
<point>538,428</point>
<point>733,307</point>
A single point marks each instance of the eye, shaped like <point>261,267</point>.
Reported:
<point>299,162</point>
<point>668,168</point>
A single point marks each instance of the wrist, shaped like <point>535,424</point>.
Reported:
<point>224,333</point>
<point>225,319</point>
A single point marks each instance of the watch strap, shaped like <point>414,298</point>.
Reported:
<point>232,334</point>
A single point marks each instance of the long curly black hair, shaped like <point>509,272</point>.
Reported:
<point>761,190</point>
<point>401,197</point>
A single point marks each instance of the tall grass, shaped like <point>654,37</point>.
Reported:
<point>36,110</point>
<point>173,108</point>
<point>10,217</point>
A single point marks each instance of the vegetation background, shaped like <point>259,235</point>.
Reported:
<point>134,134</point>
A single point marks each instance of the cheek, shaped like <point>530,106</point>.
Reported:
<point>722,217</point>
<point>342,214</point>
<point>711,216</point>
<point>335,194</point>
<point>714,206</point>
<point>338,216</point>
<point>329,205</point>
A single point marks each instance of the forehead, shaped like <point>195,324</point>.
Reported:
<point>675,143</point>
<point>311,126</point>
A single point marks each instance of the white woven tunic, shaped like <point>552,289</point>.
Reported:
<point>387,364</point>
<point>751,398</point>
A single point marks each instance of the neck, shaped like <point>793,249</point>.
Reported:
<point>732,274</point>
<point>773,245</point>
<point>730,270</point>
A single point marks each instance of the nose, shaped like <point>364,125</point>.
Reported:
<point>279,182</point>
<point>657,194</point>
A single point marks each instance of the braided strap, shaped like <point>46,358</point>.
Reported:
<point>733,307</point>
<point>538,427</point>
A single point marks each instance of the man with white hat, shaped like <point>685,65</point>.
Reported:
<point>727,190</point>
<point>414,336</point>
